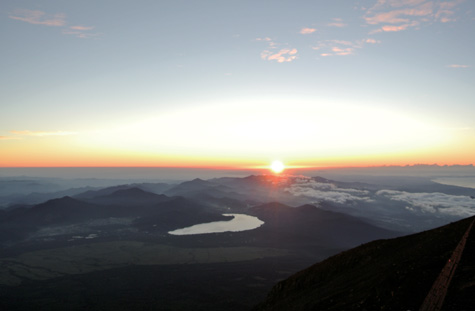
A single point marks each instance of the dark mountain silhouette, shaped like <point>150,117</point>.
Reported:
<point>258,188</point>
<point>144,210</point>
<point>157,212</point>
<point>194,184</point>
<point>56,211</point>
<point>101,192</point>
<point>308,224</point>
<point>394,274</point>
<point>39,197</point>
<point>224,204</point>
<point>461,292</point>
<point>249,182</point>
<point>130,197</point>
<point>197,187</point>
<point>178,212</point>
<point>163,212</point>
<point>157,188</point>
<point>17,223</point>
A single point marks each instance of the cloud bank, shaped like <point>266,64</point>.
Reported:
<point>326,192</point>
<point>454,205</point>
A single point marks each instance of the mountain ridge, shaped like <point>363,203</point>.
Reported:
<point>391,274</point>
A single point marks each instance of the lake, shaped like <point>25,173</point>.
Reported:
<point>240,222</point>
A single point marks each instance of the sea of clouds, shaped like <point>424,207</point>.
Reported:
<point>435,203</point>
<point>319,191</point>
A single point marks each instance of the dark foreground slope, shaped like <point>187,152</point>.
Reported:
<point>461,293</point>
<point>393,274</point>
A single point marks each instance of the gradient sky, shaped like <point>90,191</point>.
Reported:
<point>237,83</point>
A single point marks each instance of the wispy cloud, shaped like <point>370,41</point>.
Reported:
<point>446,11</point>
<point>371,41</point>
<point>81,27</point>
<point>338,47</point>
<point>83,34</point>
<point>271,44</point>
<point>39,17</point>
<point>57,20</point>
<point>81,31</point>
<point>399,15</point>
<point>42,133</point>
<point>337,22</point>
<point>272,52</point>
<point>397,3</point>
<point>393,28</point>
<point>284,55</point>
<point>457,66</point>
<point>306,31</point>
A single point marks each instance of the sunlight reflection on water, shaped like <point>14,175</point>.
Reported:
<point>240,222</point>
<point>468,182</point>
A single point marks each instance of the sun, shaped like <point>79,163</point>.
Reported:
<point>277,166</point>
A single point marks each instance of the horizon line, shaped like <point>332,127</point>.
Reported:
<point>258,167</point>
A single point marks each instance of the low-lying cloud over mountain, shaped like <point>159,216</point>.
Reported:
<point>319,191</point>
<point>456,205</point>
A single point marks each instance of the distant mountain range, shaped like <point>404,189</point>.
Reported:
<point>284,226</point>
<point>114,232</point>
<point>412,205</point>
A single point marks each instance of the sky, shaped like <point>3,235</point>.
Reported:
<point>237,83</point>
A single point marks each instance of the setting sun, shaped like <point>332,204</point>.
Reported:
<point>277,166</point>
<point>217,107</point>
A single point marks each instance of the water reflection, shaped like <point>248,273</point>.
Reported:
<point>468,182</point>
<point>240,222</point>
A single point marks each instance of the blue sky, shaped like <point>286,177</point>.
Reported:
<point>327,82</point>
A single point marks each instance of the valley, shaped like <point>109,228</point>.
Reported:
<point>124,233</point>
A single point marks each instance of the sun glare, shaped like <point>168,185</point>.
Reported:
<point>277,166</point>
